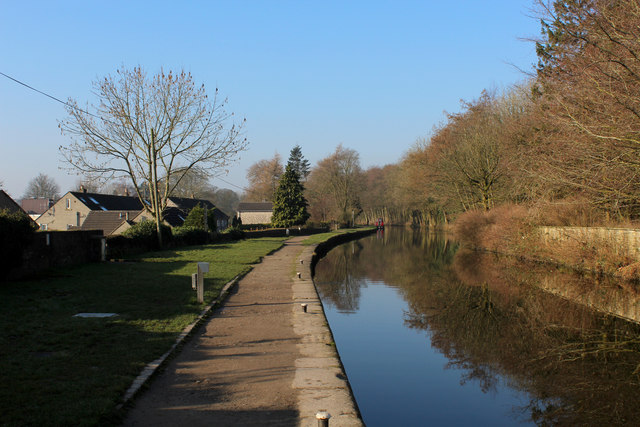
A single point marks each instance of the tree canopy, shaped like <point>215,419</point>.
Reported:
<point>42,186</point>
<point>152,130</point>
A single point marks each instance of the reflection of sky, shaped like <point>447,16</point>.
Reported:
<point>399,379</point>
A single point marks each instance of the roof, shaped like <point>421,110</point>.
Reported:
<point>187,204</point>
<point>6,202</point>
<point>107,221</point>
<point>255,207</point>
<point>108,202</point>
<point>173,216</point>
<point>36,206</point>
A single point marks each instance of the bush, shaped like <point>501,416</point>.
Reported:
<point>501,229</point>
<point>234,233</point>
<point>144,233</point>
<point>190,235</point>
<point>195,218</point>
<point>16,231</point>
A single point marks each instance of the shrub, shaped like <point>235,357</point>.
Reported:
<point>234,233</point>
<point>195,218</point>
<point>16,231</point>
<point>188,235</point>
<point>500,229</point>
<point>144,233</point>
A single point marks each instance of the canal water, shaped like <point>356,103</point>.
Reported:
<point>430,334</point>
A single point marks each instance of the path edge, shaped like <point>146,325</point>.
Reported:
<point>152,367</point>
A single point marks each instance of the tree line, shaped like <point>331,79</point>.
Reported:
<point>566,142</point>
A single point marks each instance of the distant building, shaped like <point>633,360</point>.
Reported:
<point>255,213</point>
<point>114,214</point>
<point>73,209</point>
<point>36,207</point>
<point>179,207</point>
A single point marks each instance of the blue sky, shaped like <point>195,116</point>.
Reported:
<point>371,75</point>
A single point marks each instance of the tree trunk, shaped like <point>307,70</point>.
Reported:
<point>154,185</point>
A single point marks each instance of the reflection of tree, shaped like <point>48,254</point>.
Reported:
<point>339,275</point>
<point>488,316</point>
<point>577,366</point>
<point>340,286</point>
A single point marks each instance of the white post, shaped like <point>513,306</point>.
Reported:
<point>203,267</point>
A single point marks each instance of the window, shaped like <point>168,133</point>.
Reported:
<point>44,227</point>
<point>68,203</point>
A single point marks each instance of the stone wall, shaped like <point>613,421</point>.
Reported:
<point>623,240</point>
<point>50,249</point>
<point>249,218</point>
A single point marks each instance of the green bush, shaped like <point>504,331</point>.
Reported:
<point>188,235</point>
<point>234,233</point>
<point>144,233</point>
<point>195,218</point>
<point>16,231</point>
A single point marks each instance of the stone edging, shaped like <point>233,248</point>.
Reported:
<point>153,367</point>
<point>320,378</point>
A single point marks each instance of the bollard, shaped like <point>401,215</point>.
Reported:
<point>203,267</point>
<point>304,307</point>
<point>323,418</point>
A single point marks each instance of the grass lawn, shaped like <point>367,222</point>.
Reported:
<point>57,369</point>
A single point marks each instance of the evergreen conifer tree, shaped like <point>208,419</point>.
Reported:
<point>289,204</point>
<point>299,163</point>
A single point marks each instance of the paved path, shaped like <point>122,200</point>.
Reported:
<point>259,360</point>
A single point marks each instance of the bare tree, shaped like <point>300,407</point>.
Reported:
<point>194,183</point>
<point>589,79</point>
<point>339,178</point>
<point>42,186</point>
<point>263,177</point>
<point>88,185</point>
<point>152,130</point>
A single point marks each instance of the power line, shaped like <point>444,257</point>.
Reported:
<point>227,182</point>
<point>86,112</point>
<point>49,96</point>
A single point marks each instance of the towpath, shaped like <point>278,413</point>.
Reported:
<point>258,360</point>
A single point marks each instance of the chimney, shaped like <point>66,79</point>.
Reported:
<point>83,189</point>
<point>126,191</point>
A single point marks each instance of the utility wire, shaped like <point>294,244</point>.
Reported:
<point>49,96</point>
<point>86,112</point>
<point>227,182</point>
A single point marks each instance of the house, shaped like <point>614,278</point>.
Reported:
<point>178,208</point>
<point>255,213</point>
<point>73,209</point>
<point>114,222</point>
<point>114,214</point>
<point>36,206</point>
<point>6,202</point>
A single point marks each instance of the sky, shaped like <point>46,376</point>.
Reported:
<point>371,75</point>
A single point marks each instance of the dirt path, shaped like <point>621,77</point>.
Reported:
<point>239,367</point>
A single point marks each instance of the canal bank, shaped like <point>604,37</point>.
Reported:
<point>259,359</point>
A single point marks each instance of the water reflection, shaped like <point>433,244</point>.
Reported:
<point>497,321</point>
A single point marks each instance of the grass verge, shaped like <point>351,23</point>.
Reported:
<point>62,370</point>
<point>314,239</point>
